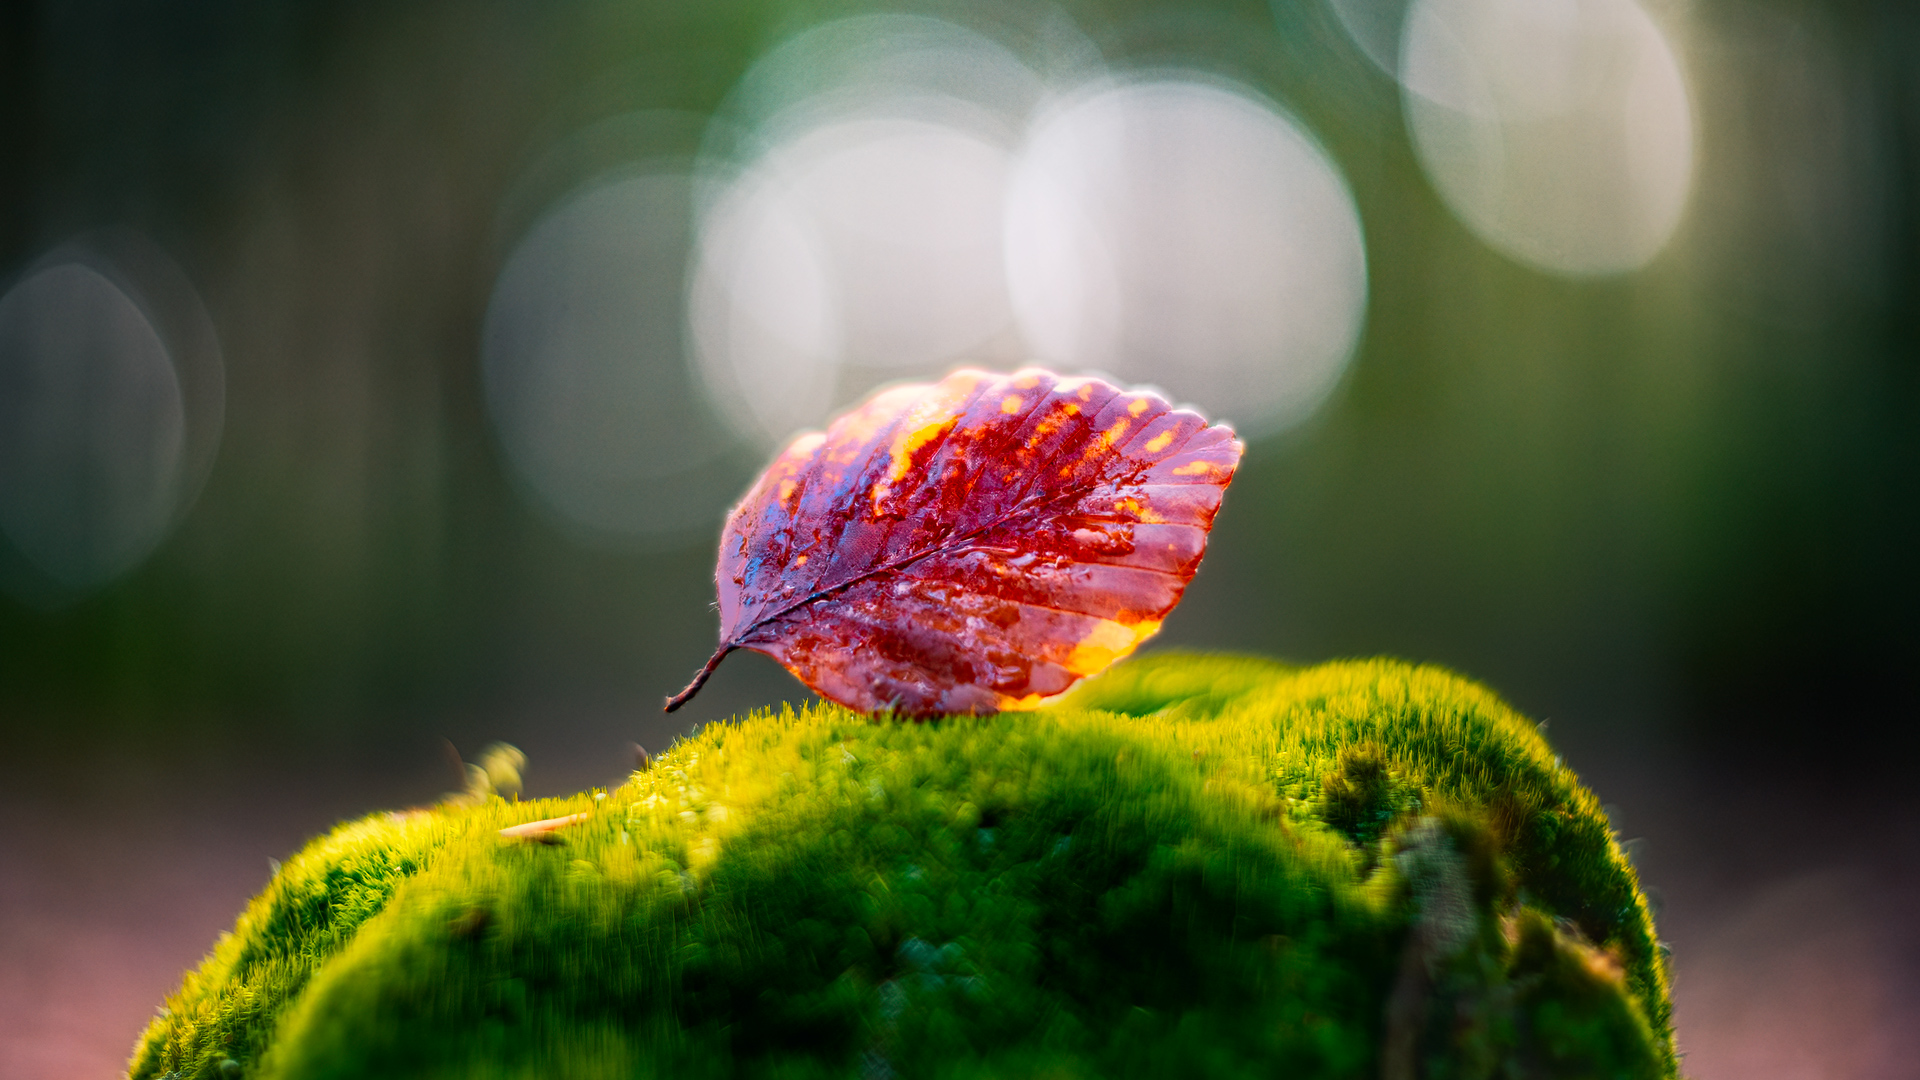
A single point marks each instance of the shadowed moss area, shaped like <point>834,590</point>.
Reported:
<point>1194,866</point>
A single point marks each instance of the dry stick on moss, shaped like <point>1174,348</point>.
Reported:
<point>536,830</point>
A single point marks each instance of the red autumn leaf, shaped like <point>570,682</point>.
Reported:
<point>969,546</point>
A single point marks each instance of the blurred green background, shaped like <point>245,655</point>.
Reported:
<point>1674,509</point>
<point>1692,489</point>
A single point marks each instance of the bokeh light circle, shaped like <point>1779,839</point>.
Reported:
<point>93,426</point>
<point>764,317</point>
<point>883,63</point>
<point>871,244</point>
<point>903,196</point>
<point>583,360</point>
<point>1374,26</point>
<point>854,230</point>
<point>1559,131</point>
<point>1187,233</point>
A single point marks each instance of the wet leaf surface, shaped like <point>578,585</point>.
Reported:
<point>973,545</point>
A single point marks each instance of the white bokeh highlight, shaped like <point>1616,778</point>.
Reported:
<point>583,361</point>
<point>1188,234</point>
<point>1559,131</point>
<point>763,311</point>
<point>869,244</point>
<point>854,228</point>
<point>93,427</point>
<point>894,196</point>
<point>912,215</point>
<point>892,63</point>
<point>1374,26</point>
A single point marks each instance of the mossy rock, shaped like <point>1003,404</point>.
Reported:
<point>1195,866</point>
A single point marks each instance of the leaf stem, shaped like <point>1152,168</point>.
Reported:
<point>700,678</point>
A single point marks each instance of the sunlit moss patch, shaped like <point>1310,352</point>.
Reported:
<point>1195,866</point>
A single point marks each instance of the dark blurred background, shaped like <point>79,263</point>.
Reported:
<point>374,376</point>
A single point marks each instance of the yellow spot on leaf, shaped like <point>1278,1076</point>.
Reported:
<point>787,488</point>
<point>1196,468</point>
<point>1136,406</point>
<point>1108,641</point>
<point>801,561</point>
<point>1010,404</point>
<point>931,419</point>
<point>1008,703</point>
<point>1051,423</point>
<point>905,444</point>
<point>1159,442</point>
<point>1139,511</point>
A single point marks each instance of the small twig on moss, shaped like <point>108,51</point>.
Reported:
<point>540,830</point>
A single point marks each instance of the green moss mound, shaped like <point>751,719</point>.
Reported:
<point>1196,866</point>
